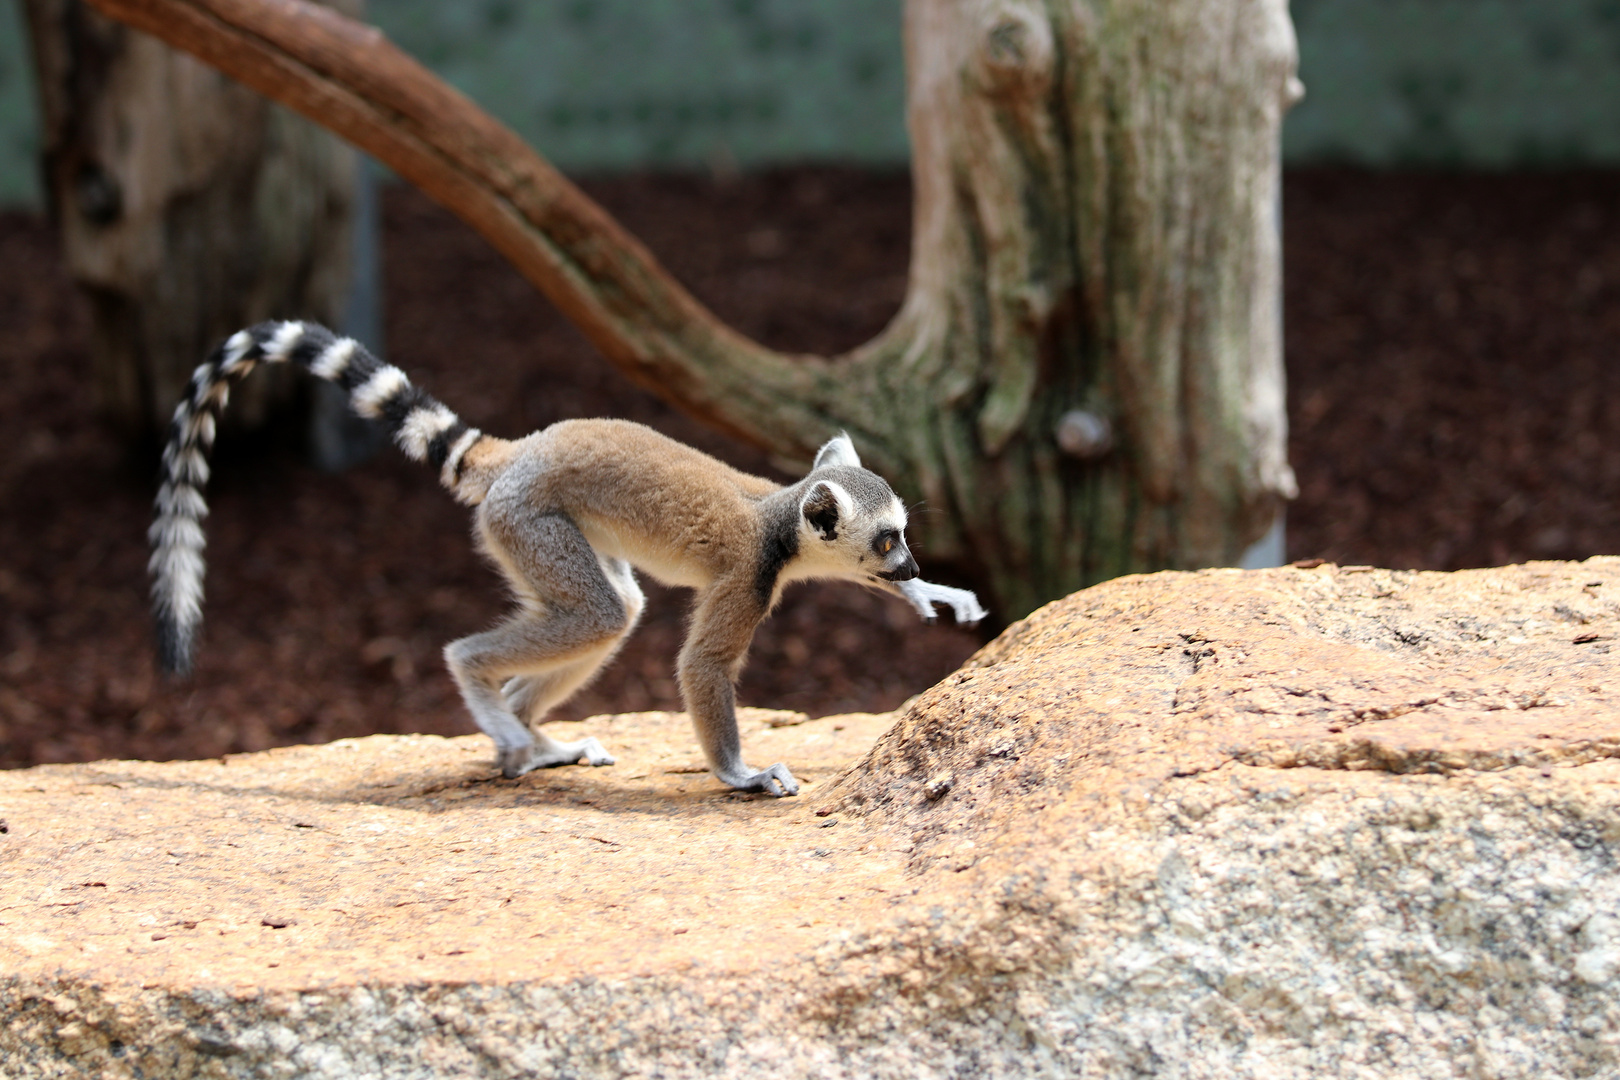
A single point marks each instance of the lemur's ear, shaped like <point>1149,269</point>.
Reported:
<point>838,451</point>
<point>822,510</point>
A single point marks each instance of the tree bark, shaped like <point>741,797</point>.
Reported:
<point>188,206</point>
<point>1096,232</point>
<point>1094,266</point>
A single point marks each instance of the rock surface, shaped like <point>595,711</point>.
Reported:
<point>1287,823</point>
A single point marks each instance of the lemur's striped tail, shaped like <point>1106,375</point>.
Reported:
<point>425,429</point>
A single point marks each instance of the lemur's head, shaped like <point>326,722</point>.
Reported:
<point>853,522</point>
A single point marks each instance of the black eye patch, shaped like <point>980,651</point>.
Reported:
<point>886,541</point>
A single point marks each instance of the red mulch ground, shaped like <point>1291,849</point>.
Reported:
<point>1454,396</point>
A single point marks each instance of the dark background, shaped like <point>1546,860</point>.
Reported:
<point>1454,401</point>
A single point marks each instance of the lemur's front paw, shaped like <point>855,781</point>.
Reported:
<point>963,604</point>
<point>966,608</point>
<point>775,781</point>
<point>923,595</point>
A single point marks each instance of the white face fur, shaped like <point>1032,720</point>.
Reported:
<point>852,525</point>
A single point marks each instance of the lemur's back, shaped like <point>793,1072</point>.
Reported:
<point>640,496</point>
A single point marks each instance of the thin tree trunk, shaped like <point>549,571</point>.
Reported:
<point>1085,378</point>
<point>188,205</point>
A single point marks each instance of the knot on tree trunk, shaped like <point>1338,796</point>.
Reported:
<point>1016,54</point>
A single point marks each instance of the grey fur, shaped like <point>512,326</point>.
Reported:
<point>567,514</point>
<point>870,493</point>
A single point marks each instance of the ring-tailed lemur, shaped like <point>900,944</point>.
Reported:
<point>565,513</point>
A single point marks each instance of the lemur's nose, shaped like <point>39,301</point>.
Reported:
<point>904,572</point>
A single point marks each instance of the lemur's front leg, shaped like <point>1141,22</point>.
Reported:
<point>923,595</point>
<point>722,628</point>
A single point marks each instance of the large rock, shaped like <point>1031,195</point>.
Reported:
<point>1288,823</point>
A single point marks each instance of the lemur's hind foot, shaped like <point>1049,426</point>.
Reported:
<point>513,761</point>
<point>548,753</point>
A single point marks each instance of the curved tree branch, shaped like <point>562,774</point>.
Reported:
<point>1095,189</point>
<point>349,78</point>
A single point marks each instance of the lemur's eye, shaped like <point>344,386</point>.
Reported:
<point>887,545</point>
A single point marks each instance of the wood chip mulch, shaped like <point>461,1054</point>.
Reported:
<point>1455,401</point>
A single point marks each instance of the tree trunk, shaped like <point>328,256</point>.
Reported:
<point>188,206</point>
<point>1085,378</point>
<point>1095,239</point>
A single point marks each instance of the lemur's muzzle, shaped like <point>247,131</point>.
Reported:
<point>904,572</point>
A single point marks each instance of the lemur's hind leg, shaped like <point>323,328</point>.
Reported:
<point>531,697</point>
<point>570,618</point>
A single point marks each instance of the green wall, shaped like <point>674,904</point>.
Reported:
<point>19,140</point>
<point>1473,83</point>
<point>616,84</point>
<point>619,84</point>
